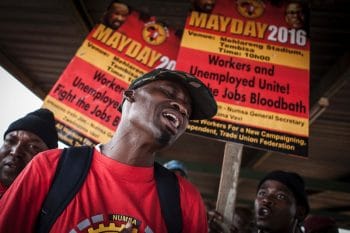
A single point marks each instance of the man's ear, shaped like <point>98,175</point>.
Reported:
<point>129,95</point>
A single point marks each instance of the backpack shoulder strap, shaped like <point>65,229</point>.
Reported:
<point>169,197</point>
<point>73,166</point>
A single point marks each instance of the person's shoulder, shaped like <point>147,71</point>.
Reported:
<point>186,187</point>
<point>192,207</point>
<point>50,156</point>
<point>50,153</point>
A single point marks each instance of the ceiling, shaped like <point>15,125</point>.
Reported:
<point>39,37</point>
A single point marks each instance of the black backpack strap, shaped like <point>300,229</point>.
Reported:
<point>169,197</point>
<point>70,174</point>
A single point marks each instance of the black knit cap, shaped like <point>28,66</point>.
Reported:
<point>295,184</point>
<point>40,122</point>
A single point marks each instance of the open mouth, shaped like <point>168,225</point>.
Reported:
<point>208,7</point>
<point>264,212</point>
<point>115,24</point>
<point>173,119</point>
<point>11,165</point>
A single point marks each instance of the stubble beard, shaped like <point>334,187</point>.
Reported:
<point>164,139</point>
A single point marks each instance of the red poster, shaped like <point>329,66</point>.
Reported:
<point>86,96</point>
<point>254,57</point>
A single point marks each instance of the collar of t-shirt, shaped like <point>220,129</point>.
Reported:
<point>125,171</point>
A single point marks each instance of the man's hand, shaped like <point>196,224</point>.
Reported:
<point>216,223</point>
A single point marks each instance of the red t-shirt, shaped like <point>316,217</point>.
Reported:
<point>113,194</point>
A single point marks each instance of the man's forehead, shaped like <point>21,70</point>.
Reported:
<point>120,7</point>
<point>275,185</point>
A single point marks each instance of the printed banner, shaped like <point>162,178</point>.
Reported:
<point>86,96</point>
<point>254,57</point>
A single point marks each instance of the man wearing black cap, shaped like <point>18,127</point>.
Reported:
<point>23,139</point>
<point>119,193</point>
<point>281,203</point>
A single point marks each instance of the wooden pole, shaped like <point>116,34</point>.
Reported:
<point>225,204</point>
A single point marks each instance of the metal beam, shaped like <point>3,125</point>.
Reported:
<point>8,64</point>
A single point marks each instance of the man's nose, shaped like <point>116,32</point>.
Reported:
<point>267,200</point>
<point>16,150</point>
<point>120,17</point>
<point>179,107</point>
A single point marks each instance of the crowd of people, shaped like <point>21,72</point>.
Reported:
<point>121,185</point>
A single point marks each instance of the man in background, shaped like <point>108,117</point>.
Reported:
<point>205,6</point>
<point>116,14</point>
<point>281,203</point>
<point>23,139</point>
<point>296,14</point>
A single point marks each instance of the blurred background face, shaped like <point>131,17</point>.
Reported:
<point>294,15</point>
<point>116,15</point>
<point>205,5</point>
<point>18,149</point>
